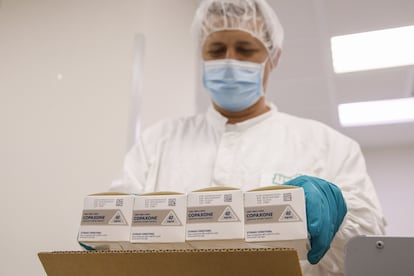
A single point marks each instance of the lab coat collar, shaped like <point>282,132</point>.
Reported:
<point>218,121</point>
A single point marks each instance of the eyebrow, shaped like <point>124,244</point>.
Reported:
<point>216,44</point>
<point>244,43</point>
<point>239,43</point>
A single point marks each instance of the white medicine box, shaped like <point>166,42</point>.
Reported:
<point>276,216</point>
<point>106,217</point>
<point>215,213</point>
<point>159,217</point>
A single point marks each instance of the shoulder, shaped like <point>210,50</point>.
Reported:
<point>341,155</point>
<point>312,130</point>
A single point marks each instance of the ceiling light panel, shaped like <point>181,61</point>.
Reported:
<point>373,50</point>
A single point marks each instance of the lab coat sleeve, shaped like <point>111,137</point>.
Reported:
<point>142,162</point>
<point>364,215</point>
<point>134,171</point>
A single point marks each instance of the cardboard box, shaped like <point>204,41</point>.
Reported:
<point>106,220</point>
<point>215,213</point>
<point>159,218</point>
<point>247,262</point>
<point>276,216</point>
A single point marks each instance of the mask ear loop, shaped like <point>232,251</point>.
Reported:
<point>263,68</point>
<point>266,60</point>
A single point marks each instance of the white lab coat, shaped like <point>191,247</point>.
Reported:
<point>202,150</point>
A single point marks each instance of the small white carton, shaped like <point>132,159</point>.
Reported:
<point>159,218</point>
<point>276,216</point>
<point>106,220</point>
<point>215,213</point>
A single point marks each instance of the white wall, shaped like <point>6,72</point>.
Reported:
<point>392,171</point>
<point>65,83</point>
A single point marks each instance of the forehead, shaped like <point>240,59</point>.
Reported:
<point>231,37</point>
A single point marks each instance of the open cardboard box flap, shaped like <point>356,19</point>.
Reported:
<point>194,262</point>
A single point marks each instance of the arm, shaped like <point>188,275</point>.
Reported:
<point>134,172</point>
<point>142,162</point>
<point>364,215</point>
<point>349,189</point>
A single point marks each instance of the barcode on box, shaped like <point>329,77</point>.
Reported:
<point>228,198</point>
<point>287,197</point>
<point>172,202</point>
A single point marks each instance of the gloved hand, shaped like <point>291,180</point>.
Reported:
<point>325,211</point>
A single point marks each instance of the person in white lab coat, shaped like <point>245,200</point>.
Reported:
<point>244,141</point>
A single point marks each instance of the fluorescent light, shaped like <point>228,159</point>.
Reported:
<point>373,50</point>
<point>376,112</point>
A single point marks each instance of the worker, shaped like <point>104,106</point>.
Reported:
<point>243,140</point>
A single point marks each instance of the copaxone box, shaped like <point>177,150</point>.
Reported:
<point>276,216</point>
<point>106,221</point>
<point>215,213</point>
<point>159,218</point>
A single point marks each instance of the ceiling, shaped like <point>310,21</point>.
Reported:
<point>304,83</point>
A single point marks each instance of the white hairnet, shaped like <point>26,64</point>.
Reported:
<point>255,17</point>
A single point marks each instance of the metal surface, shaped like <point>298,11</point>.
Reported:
<point>379,256</point>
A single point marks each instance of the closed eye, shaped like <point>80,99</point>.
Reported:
<point>217,52</point>
<point>246,51</point>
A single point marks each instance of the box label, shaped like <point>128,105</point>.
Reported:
<point>103,217</point>
<point>155,217</point>
<point>208,214</point>
<point>270,214</point>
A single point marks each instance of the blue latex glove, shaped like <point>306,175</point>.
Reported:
<point>325,211</point>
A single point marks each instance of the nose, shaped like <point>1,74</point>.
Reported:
<point>231,53</point>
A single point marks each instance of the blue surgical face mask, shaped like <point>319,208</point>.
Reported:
<point>233,85</point>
